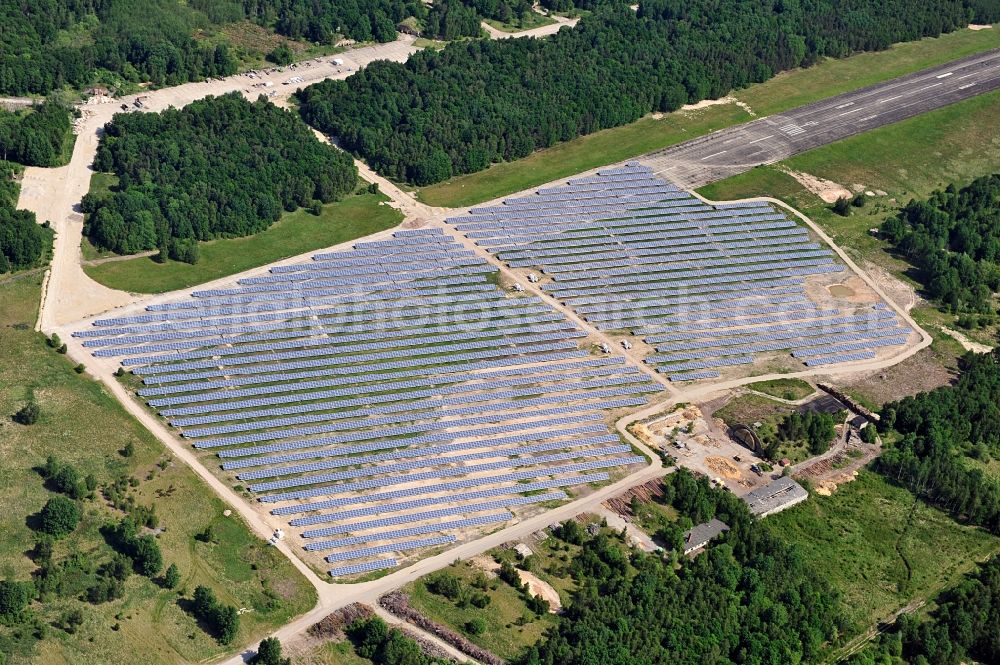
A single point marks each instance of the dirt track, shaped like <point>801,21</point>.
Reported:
<point>54,194</point>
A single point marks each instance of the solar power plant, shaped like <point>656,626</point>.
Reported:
<point>383,400</point>
<point>706,286</point>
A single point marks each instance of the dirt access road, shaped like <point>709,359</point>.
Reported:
<point>54,194</point>
<point>543,31</point>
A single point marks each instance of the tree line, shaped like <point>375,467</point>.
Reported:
<point>748,599</point>
<point>939,430</point>
<point>478,102</point>
<point>35,136</point>
<point>964,627</point>
<point>219,167</point>
<point>22,240</point>
<point>47,44</point>
<point>953,239</point>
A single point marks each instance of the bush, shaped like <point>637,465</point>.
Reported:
<point>222,620</point>
<point>14,597</point>
<point>71,620</point>
<point>28,414</point>
<point>280,55</point>
<point>476,626</point>
<point>80,369</point>
<point>105,590</point>
<point>869,433</point>
<point>147,556</point>
<point>842,206</point>
<point>172,577</point>
<point>269,653</point>
<point>59,517</point>
<point>445,584</point>
<point>859,200</point>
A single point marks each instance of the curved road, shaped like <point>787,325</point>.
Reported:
<point>737,149</point>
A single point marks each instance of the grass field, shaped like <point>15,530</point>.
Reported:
<point>879,547</point>
<point>82,424</point>
<point>530,21</point>
<point>790,389</point>
<point>787,90</point>
<point>587,152</point>
<point>748,408</point>
<point>295,233</point>
<point>502,636</point>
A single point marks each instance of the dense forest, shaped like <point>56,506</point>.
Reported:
<point>22,240</point>
<point>451,19</point>
<point>36,136</point>
<point>473,103</point>
<point>939,431</point>
<point>748,599</point>
<point>46,44</point>
<point>323,20</point>
<point>953,239</point>
<point>964,627</point>
<point>219,167</point>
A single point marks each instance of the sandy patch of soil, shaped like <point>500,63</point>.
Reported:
<point>901,293</point>
<point>827,190</point>
<point>536,586</point>
<point>840,290</point>
<point>705,103</point>
<point>966,343</point>
<point>976,26</point>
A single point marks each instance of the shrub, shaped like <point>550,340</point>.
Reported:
<point>842,206</point>
<point>59,517</point>
<point>869,434</point>
<point>269,653</point>
<point>476,626</point>
<point>280,55</point>
<point>222,620</point>
<point>445,584</point>
<point>172,577</point>
<point>147,556</point>
<point>28,414</point>
<point>14,597</point>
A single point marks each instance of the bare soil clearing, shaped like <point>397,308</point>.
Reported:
<point>827,190</point>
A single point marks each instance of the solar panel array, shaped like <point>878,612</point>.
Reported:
<point>381,393</point>
<point>708,286</point>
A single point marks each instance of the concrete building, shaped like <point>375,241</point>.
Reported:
<point>700,535</point>
<point>773,498</point>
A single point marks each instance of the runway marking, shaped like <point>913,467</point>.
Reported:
<point>966,76</point>
<point>944,76</point>
<point>860,108</point>
<point>868,118</point>
<point>715,154</point>
<point>792,129</point>
<point>769,136</point>
<point>967,85</point>
<point>883,101</point>
<point>844,106</point>
<point>928,87</point>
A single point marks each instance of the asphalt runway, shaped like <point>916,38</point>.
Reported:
<point>735,150</point>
